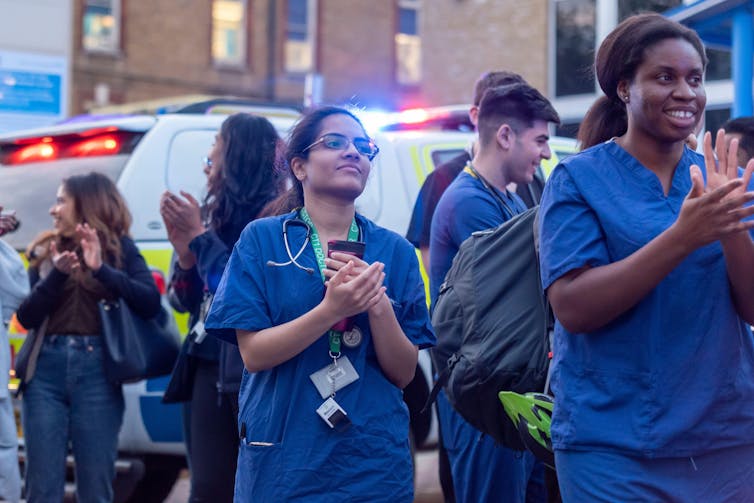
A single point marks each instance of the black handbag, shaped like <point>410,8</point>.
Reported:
<point>26,359</point>
<point>180,387</point>
<point>137,348</point>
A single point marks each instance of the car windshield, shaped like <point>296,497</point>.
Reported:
<point>30,189</point>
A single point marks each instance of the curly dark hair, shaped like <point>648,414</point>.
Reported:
<point>251,176</point>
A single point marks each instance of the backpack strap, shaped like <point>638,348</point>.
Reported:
<point>442,380</point>
<point>504,205</point>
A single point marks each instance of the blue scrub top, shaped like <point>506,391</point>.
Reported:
<point>673,375</point>
<point>305,459</point>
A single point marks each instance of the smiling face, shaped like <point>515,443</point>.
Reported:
<point>340,173</point>
<point>665,100</point>
<point>528,149</point>
<point>64,218</point>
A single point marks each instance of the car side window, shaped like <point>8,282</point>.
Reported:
<point>184,168</point>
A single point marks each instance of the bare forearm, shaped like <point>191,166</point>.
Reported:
<point>587,301</point>
<point>739,260</point>
<point>272,346</point>
<point>396,354</point>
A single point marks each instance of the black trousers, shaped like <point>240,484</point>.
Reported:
<point>212,438</point>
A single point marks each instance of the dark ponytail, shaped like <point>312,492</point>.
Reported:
<point>605,119</point>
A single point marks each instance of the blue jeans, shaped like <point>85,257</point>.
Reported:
<point>69,399</point>
<point>10,480</point>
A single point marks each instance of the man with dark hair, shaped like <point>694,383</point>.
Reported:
<point>424,207</point>
<point>439,179</point>
<point>513,122</point>
<point>742,129</point>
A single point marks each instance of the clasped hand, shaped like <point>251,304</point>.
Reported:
<point>717,210</point>
<point>353,286</point>
<point>183,222</point>
<point>68,261</point>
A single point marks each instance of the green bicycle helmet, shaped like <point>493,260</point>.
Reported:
<point>531,413</point>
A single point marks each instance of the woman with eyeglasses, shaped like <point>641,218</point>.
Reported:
<point>321,410</point>
<point>243,175</point>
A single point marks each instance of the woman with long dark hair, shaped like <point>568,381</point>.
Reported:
<point>649,267</point>
<point>244,174</point>
<point>321,412</point>
<point>88,257</point>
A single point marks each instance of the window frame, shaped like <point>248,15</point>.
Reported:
<point>116,8</point>
<point>245,36</point>
<point>310,39</point>
<point>416,6</point>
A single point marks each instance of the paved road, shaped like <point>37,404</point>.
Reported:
<point>427,482</point>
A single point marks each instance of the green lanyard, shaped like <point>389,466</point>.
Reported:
<point>353,235</point>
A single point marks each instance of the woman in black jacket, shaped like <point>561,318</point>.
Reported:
<point>88,257</point>
<point>243,175</point>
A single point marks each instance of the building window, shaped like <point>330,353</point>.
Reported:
<point>629,7</point>
<point>229,32</point>
<point>575,37</point>
<point>101,25</point>
<point>714,118</point>
<point>408,44</point>
<point>719,66</point>
<point>299,36</point>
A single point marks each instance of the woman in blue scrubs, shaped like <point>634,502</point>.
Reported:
<point>649,268</point>
<point>321,410</point>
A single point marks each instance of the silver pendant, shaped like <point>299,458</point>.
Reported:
<point>352,338</point>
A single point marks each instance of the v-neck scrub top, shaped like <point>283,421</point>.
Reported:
<point>672,376</point>
<point>287,452</point>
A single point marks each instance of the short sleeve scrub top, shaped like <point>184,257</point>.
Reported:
<point>287,452</point>
<point>673,376</point>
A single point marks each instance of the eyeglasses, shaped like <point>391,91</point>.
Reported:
<point>207,162</point>
<point>336,141</point>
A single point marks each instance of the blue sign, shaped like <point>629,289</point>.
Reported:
<point>30,93</point>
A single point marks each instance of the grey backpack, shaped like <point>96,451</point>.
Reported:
<point>493,325</point>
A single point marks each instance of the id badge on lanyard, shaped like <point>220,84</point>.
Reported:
<point>340,373</point>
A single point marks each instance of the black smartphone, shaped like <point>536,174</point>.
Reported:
<point>355,248</point>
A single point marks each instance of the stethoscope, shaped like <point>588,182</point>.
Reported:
<point>286,223</point>
<point>292,258</point>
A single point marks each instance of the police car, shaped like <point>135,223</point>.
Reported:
<point>148,154</point>
<point>145,155</point>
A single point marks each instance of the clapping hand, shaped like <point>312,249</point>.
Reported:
<point>65,262</point>
<point>710,213</point>
<point>350,294</point>
<point>183,222</point>
<point>90,246</point>
<point>721,164</point>
<point>8,222</point>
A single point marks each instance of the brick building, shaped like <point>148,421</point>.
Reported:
<point>373,53</point>
<point>388,53</point>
